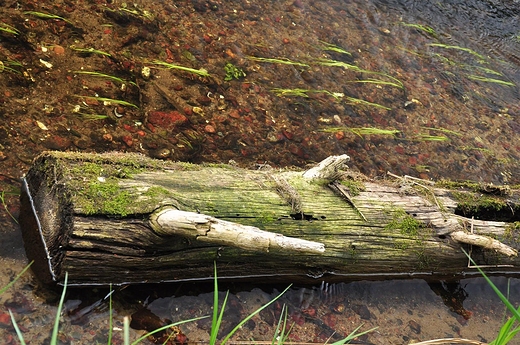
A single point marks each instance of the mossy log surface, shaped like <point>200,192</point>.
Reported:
<point>95,217</point>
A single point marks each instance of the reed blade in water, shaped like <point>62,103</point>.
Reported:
<point>202,72</point>
<point>506,332</point>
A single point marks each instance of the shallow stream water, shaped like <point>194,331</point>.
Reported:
<point>457,116</point>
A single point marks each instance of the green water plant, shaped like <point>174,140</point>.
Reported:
<point>336,95</point>
<point>8,28</point>
<point>334,48</point>
<point>292,92</point>
<point>9,66</point>
<point>357,101</point>
<point>490,80</point>
<point>108,101</point>
<point>376,81</point>
<point>4,204</point>
<point>217,315</point>
<point>12,282</point>
<point>202,72</point>
<point>361,131</point>
<point>283,61</point>
<point>55,329</point>
<point>354,68</point>
<point>424,28</point>
<point>89,51</point>
<point>467,50</point>
<point>443,130</point>
<point>105,76</point>
<point>233,72</point>
<point>43,15</point>
<point>427,137</point>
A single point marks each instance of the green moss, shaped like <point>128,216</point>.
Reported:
<point>106,198</point>
<point>401,244</point>
<point>406,224</point>
<point>512,232</point>
<point>353,253</point>
<point>477,204</point>
<point>423,260</point>
<point>156,191</point>
<point>355,187</point>
<point>448,184</point>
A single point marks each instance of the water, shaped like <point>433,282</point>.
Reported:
<point>457,117</point>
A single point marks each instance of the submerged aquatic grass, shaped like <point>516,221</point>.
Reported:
<point>376,81</point>
<point>427,137</point>
<point>336,95</point>
<point>8,66</point>
<point>354,68</point>
<point>425,28</point>
<point>490,80</point>
<point>8,28</point>
<point>43,15</point>
<point>444,130</point>
<point>467,50</point>
<point>283,61</point>
<point>334,48</point>
<point>90,51</point>
<point>202,72</point>
<point>5,288</point>
<point>106,76</point>
<point>361,131</point>
<point>109,100</point>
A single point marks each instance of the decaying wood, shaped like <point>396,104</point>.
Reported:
<point>123,218</point>
<point>169,221</point>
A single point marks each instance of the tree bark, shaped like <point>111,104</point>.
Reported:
<point>123,218</point>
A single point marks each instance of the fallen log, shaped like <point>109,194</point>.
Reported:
<point>124,218</point>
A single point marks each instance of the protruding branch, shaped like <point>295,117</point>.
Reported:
<point>328,168</point>
<point>169,221</point>
<point>484,242</point>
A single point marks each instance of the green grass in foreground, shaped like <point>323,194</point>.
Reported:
<point>280,335</point>
<point>507,332</point>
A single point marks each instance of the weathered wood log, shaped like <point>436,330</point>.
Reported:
<point>123,218</point>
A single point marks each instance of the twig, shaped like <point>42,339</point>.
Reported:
<point>338,188</point>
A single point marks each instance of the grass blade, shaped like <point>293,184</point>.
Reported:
<point>15,325</point>
<point>214,322</point>
<point>500,295</point>
<point>505,334</point>
<point>109,100</point>
<point>110,316</point>
<point>54,337</point>
<point>353,335</point>
<point>281,334</point>
<point>237,327</point>
<point>5,288</point>
<point>125,330</point>
<point>202,72</point>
